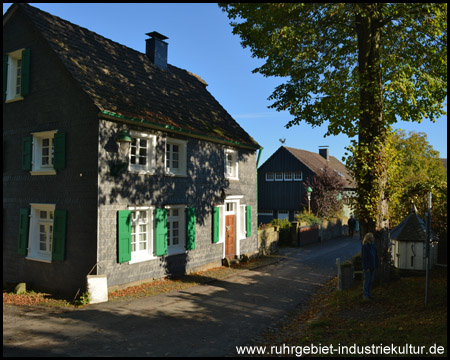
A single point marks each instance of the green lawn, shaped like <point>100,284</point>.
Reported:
<point>396,316</point>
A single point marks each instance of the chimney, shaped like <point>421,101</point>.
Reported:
<point>324,151</point>
<point>156,49</point>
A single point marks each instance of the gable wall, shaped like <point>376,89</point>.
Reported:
<point>281,195</point>
<point>54,103</point>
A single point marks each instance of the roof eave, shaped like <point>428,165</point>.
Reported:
<point>171,129</point>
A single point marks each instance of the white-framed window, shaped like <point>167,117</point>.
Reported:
<point>14,76</point>
<point>43,153</point>
<point>176,229</point>
<point>298,176</point>
<point>270,176</point>
<point>175,157</point>
<point>288,176</point>
<point>40,238</point>
<point>142,153</point>
<point>278,176</point>
<point>231,164</point>
<point>283,214</point>
<point>243,222</point>
<point>141,233</point>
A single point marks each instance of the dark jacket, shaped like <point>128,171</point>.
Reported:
<point>369,256</point>
<point>351,222</point>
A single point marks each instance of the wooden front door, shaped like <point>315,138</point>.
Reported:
<point>230,230</point>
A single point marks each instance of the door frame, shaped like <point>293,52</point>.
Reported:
<point>236,201</point>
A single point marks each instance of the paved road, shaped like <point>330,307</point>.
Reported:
<point>204,320</point>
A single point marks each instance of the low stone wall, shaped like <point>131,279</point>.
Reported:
<point>330,229</point>
<point>268,240</point>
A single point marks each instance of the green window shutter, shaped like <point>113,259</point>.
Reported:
<point>25,78</point>
<point>123,236</point>
<point>190,228</point>
<point>5,75</point>
<point>27,152</point>
<point>59,235</point>
<point>249,220</point>
<point>216,222</point>
<point>160,232</point>
<point>24,225</point>
<point>59,142</point>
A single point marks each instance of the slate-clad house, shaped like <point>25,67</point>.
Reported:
<point>115,162</point>
<point>280,181</point>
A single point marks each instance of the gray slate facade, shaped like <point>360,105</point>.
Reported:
<point>74,207</point>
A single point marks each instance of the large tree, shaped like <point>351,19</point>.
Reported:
<point>358,66</point>
<point>416,168</point>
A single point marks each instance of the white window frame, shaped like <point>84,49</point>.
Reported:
<point>288,176</point>
<point>231,170</point>
<point>278,176</point>
<point>296,178</point>
<point>150,166</point>
<point>169,157</point>
<point>37,167</point>
<point>13,80</point>
<point>34,237</point>
<point>136,221</point>
<point>270,176</point>
<point>180,219</point>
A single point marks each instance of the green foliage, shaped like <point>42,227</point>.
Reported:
<point>310,219</point>
<point>414,171</point>
<point>316,49</point>
<point>83,299</point>
<point>281,223</point>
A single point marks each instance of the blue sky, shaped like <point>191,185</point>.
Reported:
<point>201,41</point>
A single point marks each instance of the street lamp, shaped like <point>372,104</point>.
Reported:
<point>124,140</point>
<point>308,193</point>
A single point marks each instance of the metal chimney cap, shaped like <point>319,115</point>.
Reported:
<point>157,35</point>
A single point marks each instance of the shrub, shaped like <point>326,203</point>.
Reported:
<point>309,219</point>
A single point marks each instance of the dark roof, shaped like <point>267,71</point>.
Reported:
<point>412,228</point>
<point>123,82</point>
<point>316,162</point>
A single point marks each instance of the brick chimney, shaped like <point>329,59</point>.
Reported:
<point>324,151</point>
<point>156,49</point>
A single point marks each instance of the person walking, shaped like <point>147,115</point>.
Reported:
<point>369,263</point>
<point>351,226</point>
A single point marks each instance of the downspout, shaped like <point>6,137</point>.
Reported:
<point>257,195</point>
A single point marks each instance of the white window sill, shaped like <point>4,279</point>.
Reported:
<point>231,178</point>
<point>38,259</point>
<point>139,259</point>
<point>43,172</point>
<point>141,172</point>
<point>168,173</point>
<point>18,98</point>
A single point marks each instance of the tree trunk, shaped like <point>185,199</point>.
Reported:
<point>371,166</point>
